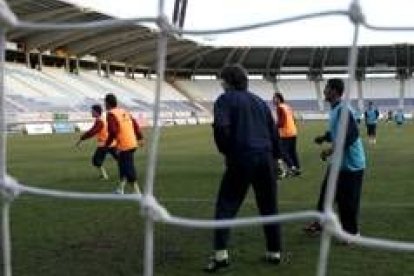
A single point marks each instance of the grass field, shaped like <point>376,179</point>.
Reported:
<point>62,237</point>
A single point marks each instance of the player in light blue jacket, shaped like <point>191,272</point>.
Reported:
<point>349,182</point>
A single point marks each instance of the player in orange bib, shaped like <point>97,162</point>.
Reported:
<point>123,129</point>
<point>288,132</point>
<point>100,131</point>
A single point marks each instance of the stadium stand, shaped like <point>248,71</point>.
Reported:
<point>54,90</point>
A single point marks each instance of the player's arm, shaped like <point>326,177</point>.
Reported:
<point>326,137</point>
<point>137,131</point>
<point>95,129</point>
<point>113,128</point>
<point>281,117</point>
<point>352,132</point>
<point>221,125</point>
<point>274,136</point>
<point>325,153</point>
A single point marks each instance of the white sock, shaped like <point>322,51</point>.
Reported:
<point>104,174</point>
<point>273,255</point>
<point>121,186</point>
<point>220,255</point>
<point>136,188</point>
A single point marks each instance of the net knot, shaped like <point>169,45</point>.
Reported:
<point>331,222</point>
<point>355,13</point>
<point>9,187</point>
<point>150,207</point>
<point>164,24</point>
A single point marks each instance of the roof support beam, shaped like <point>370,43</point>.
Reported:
<point>176,61</point>
<point>201,58</point>
<point>51,14</point>
<point>16,3</point>
<point>230,56</point>
<point>27,55</point>
<point>126,49</point>
<point>61,18</point>
<point>312,57</point>
<point>103,42</point>
<point>324,57</point>
<point>408,57</point>
<point>52,40</point>
<point>395,56</point>
<point>270,59</point>
<point>144,48</point>
<point>149,56</point>
<point>99,67</point>
<point>243,55</point>
<point>282,59</point>
<point>77,64</point>
<point>40,61</point>
<point>185,49</point>
<point>108,69</point>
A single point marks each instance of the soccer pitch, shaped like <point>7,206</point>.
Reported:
<point>65,237</point>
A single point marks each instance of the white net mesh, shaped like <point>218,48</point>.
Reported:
<point>151,209</point>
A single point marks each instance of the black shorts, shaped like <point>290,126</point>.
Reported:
<point>371,130</point>
<point>126,166</point>
<point>100,154</point>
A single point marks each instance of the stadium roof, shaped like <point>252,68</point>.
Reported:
<point>136,47</point>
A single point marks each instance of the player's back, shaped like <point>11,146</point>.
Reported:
<point>249,117</point>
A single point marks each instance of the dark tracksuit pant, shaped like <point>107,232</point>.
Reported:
<point>258,170</point>
<point>372,130</point>
<point>348,193</point>
<point>289,153</point>
<point>100,154</point>
<point>126,166</point>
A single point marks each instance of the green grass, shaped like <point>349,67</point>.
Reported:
<point>63,237</point>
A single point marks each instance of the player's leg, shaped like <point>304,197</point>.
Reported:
<point>285,152</point>
<point>348,198</point>
<point>97,160</point>
<point>122,172</point>
<point>233,188</point>
<point>290,144</point>
<point>371,130</point>
<point>130,171</point>
<point>295,169</point>
<point>265,190</point>
<point>374,133</point>
<point>315,227</point>
<point>113,152</point>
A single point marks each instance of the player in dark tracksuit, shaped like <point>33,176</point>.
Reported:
<point>245,133</point>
